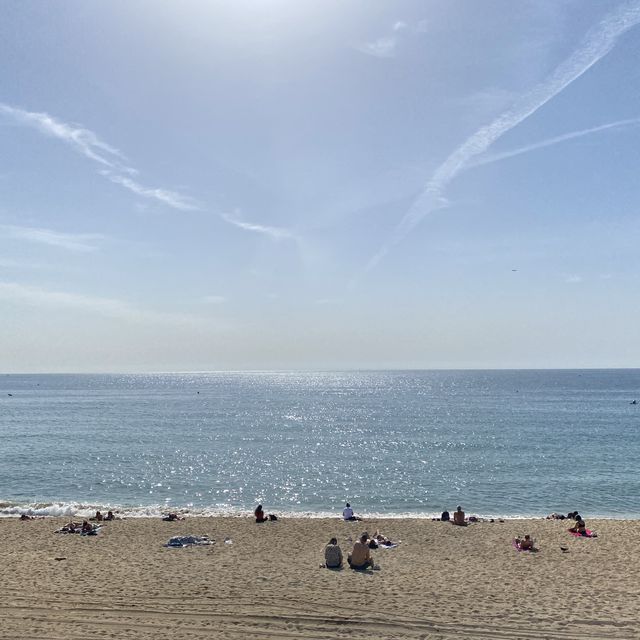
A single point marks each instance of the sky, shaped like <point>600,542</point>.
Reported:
<point>313,184</point>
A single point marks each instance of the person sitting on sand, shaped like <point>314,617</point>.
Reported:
<point>348,515</point>
<point>360,557</point>
<point>259,514</point>
<point>333,555</point>
<point>579,527</point>
<point>70,527</point>
<point>527,543</point>
<point>99,516</point>
<point>458,517</point>
<point>109,516</point>
<point>87,527</point>
<point>445,517</point>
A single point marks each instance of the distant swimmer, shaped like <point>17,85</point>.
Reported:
<point>10,394</point>
<point>632,402</point>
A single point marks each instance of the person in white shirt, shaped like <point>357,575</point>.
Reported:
<point>348,514</point>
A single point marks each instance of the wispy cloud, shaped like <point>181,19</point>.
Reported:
<point>83,242</point>
<point>385,46</point>
<point>496,157</point>
<point>170,198</point>
<point>109,307</point>
<point>214,299</point>
<point>113,169</point>
<point>598,42</point>
<point>8,263</point>
<point>277,233</point>
<point>91,146</point>
<point>82,140</point>
<point>573,279</point>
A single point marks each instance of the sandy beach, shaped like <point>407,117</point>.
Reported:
<point>442,581</point>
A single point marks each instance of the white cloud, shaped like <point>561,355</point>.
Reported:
<point>277,233</point>
<point>109,307</point>
<point>171,198</point>
<point>573,279</point>
<point>90,145</point>
<point>8,263</point>
<point>82,140</point>
<point>83,242</point>
<point>384,47</point>
<point>598,42</point>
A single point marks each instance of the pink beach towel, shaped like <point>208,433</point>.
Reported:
<point>590,534</point>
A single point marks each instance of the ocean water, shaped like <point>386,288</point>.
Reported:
<point>394,443</point>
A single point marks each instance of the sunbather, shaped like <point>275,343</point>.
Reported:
<point>360,557</point>
<point>458,517</point>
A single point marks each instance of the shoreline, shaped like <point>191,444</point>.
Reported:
<point>14,509</point>
<point>442,581</point>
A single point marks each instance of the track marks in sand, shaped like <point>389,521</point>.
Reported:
<point>144,619</point>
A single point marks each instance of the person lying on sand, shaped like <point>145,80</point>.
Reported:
<point>458,517</point>
<point>333,555</point>
<point>382,539</point>
<point>71,527</point>
<point>171,517</point>
<point>360,557</point>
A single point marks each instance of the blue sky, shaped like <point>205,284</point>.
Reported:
<point>297,184</point>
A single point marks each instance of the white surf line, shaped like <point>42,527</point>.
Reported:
<point>598,42</point>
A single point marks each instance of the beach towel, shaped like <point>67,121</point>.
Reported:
<point>177,542</point>
<point>590,534</point>
<point>94,530</point>
<point>393,545</point>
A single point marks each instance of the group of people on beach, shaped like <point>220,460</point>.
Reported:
<point>360,556</point>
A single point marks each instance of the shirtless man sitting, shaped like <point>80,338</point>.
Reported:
<point>458,517</point>
<point>360,557</point>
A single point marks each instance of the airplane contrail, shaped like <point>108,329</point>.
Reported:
<point>597,43</point>
<point>496,157</point>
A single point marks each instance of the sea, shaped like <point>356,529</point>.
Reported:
<point>392,443</point>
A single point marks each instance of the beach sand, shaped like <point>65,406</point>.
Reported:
<point>441,582</point>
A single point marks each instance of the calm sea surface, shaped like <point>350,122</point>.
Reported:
<point>390,442</point>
